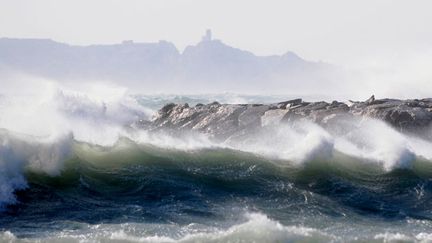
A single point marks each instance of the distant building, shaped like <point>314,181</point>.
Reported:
<point>127,42</point>
<point>207,36</point>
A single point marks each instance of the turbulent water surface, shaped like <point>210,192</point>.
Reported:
<point>84,177</point>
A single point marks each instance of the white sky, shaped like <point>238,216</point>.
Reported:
<point>336,31</point>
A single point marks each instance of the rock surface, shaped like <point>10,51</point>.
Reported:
<point>222,121</point>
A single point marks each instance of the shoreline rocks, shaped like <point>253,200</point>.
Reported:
<point>223,120</point>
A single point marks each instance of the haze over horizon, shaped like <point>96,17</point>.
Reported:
<point>334,31</point>
<point>384,45</point>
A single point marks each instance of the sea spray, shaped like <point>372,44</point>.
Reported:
<point>73,168</point>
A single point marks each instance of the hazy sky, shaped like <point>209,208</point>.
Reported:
<point>338,31</point>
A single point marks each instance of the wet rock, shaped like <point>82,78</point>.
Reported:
<point>404,115</point>
<point>223,121</point>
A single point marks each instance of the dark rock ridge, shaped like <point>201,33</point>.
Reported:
<point>222,121</point>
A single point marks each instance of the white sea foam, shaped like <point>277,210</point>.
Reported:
<point>87,112</point>
<point>257,228</point>
<point>52,117</point>
<point>19,152</point>
<point>297,143</point>
<point>376,141</point>
<point>400,237</point>
<point>187,141</point>
<point>367,139</point>
<point>40,124</point>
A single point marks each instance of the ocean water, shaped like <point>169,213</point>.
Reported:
<point>71,171</point>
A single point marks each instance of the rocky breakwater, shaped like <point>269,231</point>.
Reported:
<point>224,121</point>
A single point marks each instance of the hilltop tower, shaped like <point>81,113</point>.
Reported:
<point>207,36</point>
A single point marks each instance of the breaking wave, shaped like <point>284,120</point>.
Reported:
<point>72,169</point>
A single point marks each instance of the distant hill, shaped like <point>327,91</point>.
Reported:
<point>209,66</point>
